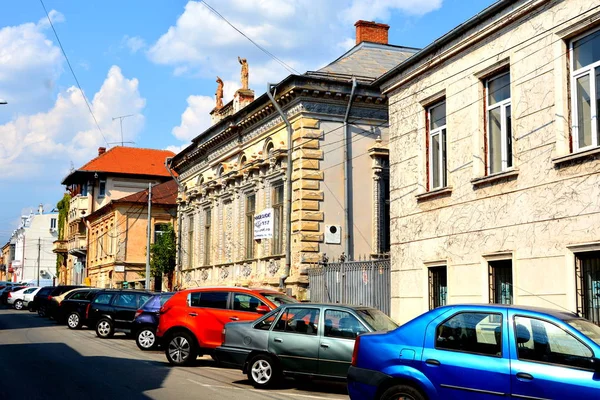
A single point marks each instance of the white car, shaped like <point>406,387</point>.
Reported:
<point>21,298</point>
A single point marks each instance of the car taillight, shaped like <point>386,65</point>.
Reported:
<point>355,351</point>
<point>87,310</point>
<point>163,309</point>
<point>9,295</point>
<point>49,297</point>
<point>138,313</point>
<point>223,333</point>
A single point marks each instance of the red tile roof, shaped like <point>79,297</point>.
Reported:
<point>130,160</point>
<point>164,193</point>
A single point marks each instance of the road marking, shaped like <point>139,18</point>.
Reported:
<point>308,396</point>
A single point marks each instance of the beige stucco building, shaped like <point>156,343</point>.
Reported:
<point>237,168</point>
<point>495,162</point>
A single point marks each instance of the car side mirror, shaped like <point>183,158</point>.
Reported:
<point>595,363</point>
<point>262,309</point>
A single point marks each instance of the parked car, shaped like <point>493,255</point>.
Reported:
<point>43,300</point>
<point>16,298</point>
<point>146,321</point>
<point>480,351</point>
<point>42,293</point>
<point>192,321</point>
<point>113,310</point>
<point>72,308</point>
<point>28,299</point>
<point>299,339</point>
<point>6,291</point>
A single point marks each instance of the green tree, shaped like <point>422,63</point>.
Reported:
<point>63,210</point>
<point>163,254</point>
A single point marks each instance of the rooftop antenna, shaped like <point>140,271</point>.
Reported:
<point>121,118</point>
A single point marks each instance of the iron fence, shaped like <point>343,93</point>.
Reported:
<point>365,283</point>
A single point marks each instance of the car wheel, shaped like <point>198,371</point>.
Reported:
<point>402,392</point>
<point>74,321</point>
<point>263,372</point>
<point>105,328</point>
<point>18,305</point>
<point>146,339</point>
<point>181,349</point>
<point>30,308</point>
<point>41,312</point>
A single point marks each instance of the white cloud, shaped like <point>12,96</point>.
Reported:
<point>133,43</point>
<point>30,64</point>
<point>40,144</point>
<point>200,44</point>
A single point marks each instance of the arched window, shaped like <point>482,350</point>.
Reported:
<point>269,148</point>
<point>220,171</point>
<point>243,160</point>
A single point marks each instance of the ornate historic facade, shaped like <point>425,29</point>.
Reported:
<point>237,168</point>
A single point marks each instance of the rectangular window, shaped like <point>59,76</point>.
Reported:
<point>250,210</point>
<point>298,320</point>
<point>588,285</point>
<point>436,127</point>
<point>190,246</point>
<point>277,202</point>
<point>438,287</point>
<point>207,239</point>
<point>102,188</point>
<point>84,189</point>
<point>53,223</point>
<point>209,299</point>
<point>471,332</point>
<point>501,287</point>
<point>585,91</point>
<point>159,230</point>
<point>499,130</point>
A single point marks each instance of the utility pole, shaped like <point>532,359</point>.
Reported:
<point>121,118</point>
<point>148,238</point>
<point>38,261</point>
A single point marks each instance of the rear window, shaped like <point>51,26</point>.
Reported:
<point>78,295</point>
<point>103,298</point>
<point>209,299</point>
<point>279,299</point>
<point>165,297</point>
<point>377,319</point>
<point>45,291</point>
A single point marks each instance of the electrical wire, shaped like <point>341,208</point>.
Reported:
<point>267,52</point>
<point>73,73</point>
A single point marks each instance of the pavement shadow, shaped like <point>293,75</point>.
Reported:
<point>56,371</point>
<point>308,384</point>
<point>22,320</point>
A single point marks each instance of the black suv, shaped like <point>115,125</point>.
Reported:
<point>114,310</point>
<point>42,293</point>
<point>43,298</point>
<point>72,309</point>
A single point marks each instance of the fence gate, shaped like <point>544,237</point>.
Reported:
<point>365,283</point>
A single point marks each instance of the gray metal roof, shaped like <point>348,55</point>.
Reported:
<point>369,60</point>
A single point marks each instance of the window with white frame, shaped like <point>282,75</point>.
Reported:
<point>436,117</point>
<point>53,224</point>
<point>499,132</point>
<point>250,210</point>
<point>102,188</point>
<point>585,90</point>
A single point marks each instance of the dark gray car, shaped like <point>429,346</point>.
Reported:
<point>299,339</point>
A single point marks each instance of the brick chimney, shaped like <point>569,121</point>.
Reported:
<point>367,31</point>
<point>101,150</point>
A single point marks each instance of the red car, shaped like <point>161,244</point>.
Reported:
<point>191,322</point>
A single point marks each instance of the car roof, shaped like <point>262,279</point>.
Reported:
<point>233,288</point>
<point>331,305</point>
<point>560,314</point>
<point>125,291</point>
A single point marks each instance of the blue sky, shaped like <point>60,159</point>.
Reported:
<point>159,61</point>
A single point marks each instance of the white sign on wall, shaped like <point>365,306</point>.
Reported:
<point>119,268</point>
<point>263,224</point>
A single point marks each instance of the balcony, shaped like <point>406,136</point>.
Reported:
<point>78,207</point>
<point>77,245</point>
<point>59,246</point>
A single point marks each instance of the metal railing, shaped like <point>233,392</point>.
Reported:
<point>364,283</point>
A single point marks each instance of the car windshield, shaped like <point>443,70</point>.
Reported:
<point>587,328</point>
<point>376,319</point>
<point>279,299</point>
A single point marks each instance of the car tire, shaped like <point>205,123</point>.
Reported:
<point>18,305</point>
<point>404,392</point>
<point>146,339</point>
<point>181,349</point>
<point>30,308</point>
<point>74,321</point>
<point>263,371</point>
<point>105,328</point>
<point>41,312</point>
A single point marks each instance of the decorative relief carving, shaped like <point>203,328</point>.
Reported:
<point>223,273</point>
<point>273,267</point>
<point>204,275</point>
<point>246,270</point>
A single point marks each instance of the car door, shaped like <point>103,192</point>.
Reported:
<point>28,294</point>
<point>124,306</point>
<point>336,341</point>
<point>466,355</point>
<point>295,340</point>
<point>550,362</point>
<point>208,314</point>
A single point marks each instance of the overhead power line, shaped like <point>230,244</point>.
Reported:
<point>73,72</point>
<point>267,52</point>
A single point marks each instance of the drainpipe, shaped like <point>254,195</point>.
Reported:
<point>348,215</point>
<point>288,175</point>
<point>179,282</point>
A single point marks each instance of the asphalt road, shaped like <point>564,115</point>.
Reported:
<point>42,360</point>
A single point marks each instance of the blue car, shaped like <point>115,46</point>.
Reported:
<point>480,352</point>
<point>146,321</point>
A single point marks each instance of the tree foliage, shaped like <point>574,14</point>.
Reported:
<point>63,211</point>
<point>163,253</point>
